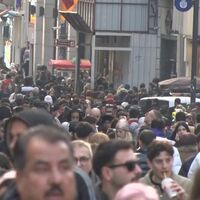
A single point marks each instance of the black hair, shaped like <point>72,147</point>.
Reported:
<point>8,76</point>
<point>156,147</point>
<point>177,101</point>
<point>30,117</point>
<point>158,124</point>
<point>83,130</point>
<point>50,134</point>
<point>181,123</point>
<point>186,140</point>
<point>105,153</point>
<point>134,112</point>
<point>74,111</point>
<point>180,116</point>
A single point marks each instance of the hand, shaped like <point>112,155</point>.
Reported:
<point>179,190</point>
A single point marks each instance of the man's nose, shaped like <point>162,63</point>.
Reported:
<point>137,169</point>
<point>78,163</point>
<point>165,165</point>
<point>56,176</point>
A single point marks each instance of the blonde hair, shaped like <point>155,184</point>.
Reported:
<point>81,143</point>
<point>98,138</point>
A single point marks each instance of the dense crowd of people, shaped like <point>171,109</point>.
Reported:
<point>96,145</point>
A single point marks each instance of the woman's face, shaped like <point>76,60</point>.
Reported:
<point>75,116</point>
<point>181,131</point>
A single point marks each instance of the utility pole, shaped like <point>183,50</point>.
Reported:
<point>77,70</point>
<point>194,50</point>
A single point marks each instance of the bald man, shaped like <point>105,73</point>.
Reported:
<point>95,112</point>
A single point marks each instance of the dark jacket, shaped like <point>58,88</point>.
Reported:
<point>142,160</point>
<point>85,189</point>
<point>186,166</point>
<point>100,194</point>
<point>11,193</point>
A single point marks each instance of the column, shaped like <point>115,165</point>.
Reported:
<point>48,33</point>
<point>38,32</point>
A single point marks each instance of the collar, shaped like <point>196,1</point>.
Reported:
<point>101,194</point>
<point>155,183</point>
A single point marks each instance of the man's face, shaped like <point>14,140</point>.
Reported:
<point>48,173</point>
<point>83,158</point>
<point>162,164</point>
<point>17,128</point>
<point>95,112</point>
<point>121,175</point>
<point>149,117</point>
<point>181,131</point>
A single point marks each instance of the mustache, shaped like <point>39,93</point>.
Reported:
<point>55,189</point>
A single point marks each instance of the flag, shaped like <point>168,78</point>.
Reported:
<point>18,3</point>
<point>68,5</point>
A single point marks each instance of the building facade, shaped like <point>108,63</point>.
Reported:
<point>135,41</point>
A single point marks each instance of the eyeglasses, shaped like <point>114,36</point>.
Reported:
<point>130,165</point>
<point>82,159</point>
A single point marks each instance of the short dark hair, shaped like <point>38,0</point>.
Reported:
<point>156,147</point>
<point>134,112</point>
<point>90,119</point>
<point>180,116</point>
<point>83,130</point>
<point>158,124</point>
<point>51,134</point>
<point>147,136</point>
<point>187,139</point>
<point>106,152</point>
<point>177,101</point>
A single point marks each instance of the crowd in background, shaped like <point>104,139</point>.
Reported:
<point>99,123</point>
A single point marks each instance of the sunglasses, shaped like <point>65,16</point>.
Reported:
<point>130,165</point>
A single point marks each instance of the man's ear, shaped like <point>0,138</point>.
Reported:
<point>106,173</point>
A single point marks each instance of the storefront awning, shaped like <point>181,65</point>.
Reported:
<point>67,64</point>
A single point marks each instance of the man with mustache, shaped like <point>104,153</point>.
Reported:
<point>116,165</point>
<point>44,165</point>
<point>19,125</point>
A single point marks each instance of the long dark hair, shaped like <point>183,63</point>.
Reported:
<point>178,124</point>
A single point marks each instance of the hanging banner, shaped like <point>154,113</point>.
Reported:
<point>68,5</point>
<point>18,3</point>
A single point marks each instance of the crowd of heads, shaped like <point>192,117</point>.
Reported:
<point>48,133</point>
